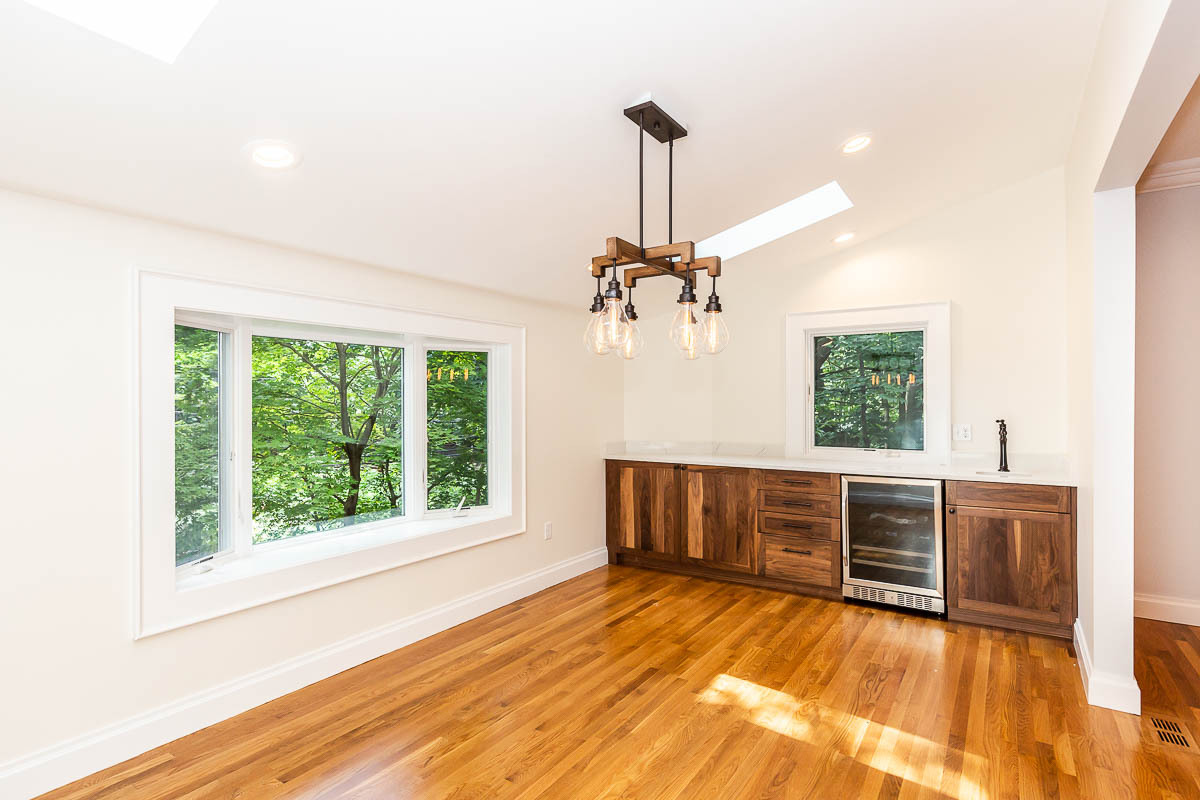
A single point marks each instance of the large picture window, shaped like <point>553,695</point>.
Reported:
<point>340,441</point>
<point>328,423</point>
<point>869,383</point>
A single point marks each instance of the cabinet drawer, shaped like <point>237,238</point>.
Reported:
<point>791,525</point>
<point>811,505</point>
<point>803,560</point>
<point>817,482</point>
<point>1020,496</point>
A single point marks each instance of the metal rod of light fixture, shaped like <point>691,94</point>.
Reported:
<point>641,183</point>
<point>671,187</point>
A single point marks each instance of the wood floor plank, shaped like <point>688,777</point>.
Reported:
<point>628,683</point>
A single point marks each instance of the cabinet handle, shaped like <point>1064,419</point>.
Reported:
<point>797,503</point>
<point>949,510</point>
<point>797,552</point>
<point>796,525</point>
<point>796,482</point>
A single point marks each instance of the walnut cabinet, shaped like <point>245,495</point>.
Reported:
<point>1010,556</point>
<point>1010,548</point>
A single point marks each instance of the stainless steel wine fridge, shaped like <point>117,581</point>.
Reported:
<point>892,544</point>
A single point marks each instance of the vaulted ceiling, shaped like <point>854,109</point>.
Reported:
<point>483,142</point>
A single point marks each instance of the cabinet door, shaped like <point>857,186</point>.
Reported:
<point>720,506</point>
<point>644,519</point>
<point>1016,564</point>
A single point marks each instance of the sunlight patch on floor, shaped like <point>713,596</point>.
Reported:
<point>878,746</point>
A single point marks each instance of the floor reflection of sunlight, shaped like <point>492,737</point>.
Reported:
<point>808,721</point>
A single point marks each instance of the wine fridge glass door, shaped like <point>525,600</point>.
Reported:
<point>893,533</point>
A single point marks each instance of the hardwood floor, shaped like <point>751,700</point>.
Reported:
<point>633,683</point>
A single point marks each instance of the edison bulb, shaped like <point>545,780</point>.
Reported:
<point>634,343</point>
<point>685,331</point>
<point>594,338</point>
<point>716,333</point>
<point>616,324</point>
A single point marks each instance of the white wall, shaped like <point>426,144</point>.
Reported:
<point>70,664</point>
<point>998,258</point>
<point>1167,532</point>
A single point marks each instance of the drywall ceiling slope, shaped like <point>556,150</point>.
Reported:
<point>1182,139</point>
<point>483,142</point>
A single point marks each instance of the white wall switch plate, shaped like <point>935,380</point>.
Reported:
<point>548,531</point>
<point>962,433</point>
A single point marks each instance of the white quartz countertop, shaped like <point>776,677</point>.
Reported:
<point>1041,469</point>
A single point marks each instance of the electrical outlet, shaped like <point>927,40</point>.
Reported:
<point>548,531</point>
<point>962,433</point>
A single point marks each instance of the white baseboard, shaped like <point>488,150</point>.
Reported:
<point>1105,689</point>
<point>55,766</point>
<point>1183,610</point>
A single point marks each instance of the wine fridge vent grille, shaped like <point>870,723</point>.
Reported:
<point>904,599</point>
<point>914,601</point>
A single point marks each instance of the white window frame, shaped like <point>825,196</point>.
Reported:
<point>244,574</point>
<point>802,328</point>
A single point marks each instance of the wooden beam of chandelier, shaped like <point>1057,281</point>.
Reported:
<point>665,259</point>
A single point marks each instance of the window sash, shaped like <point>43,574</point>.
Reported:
<point>933,319</point>
<point>236,428</point>
<point>226,472</point>
<point>428,345</point>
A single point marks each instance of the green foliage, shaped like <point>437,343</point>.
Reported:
<point>456,410</point>
<point>856,404</point>
<point>197,444</point>
<point>327,435</point>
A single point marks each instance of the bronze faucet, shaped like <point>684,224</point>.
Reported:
<point>1003,446</point>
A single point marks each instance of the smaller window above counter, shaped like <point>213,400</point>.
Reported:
<point>869,384</point>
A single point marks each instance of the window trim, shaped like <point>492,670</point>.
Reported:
<point>167,597</point>
<point>803,327</point>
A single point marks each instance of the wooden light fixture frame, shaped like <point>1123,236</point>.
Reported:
<point>678,258</point>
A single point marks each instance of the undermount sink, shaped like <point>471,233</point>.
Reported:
<point>1007,474</point>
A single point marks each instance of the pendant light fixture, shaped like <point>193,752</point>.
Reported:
<point>613,328</point>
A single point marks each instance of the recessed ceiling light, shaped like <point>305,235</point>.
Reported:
<point>273,154</point>
<point>158,28</point>
<point>856,143</point>
<point>845,237</point>
<point>805,210</point>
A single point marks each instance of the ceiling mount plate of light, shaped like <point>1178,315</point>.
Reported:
<point>613,328</point>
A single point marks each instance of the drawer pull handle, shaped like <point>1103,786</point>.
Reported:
<point>797,503</point>
<point>797,552</point>
<point>797,525</point>
<point>798,483</point>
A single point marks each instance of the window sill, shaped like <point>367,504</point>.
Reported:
<point>275,573</point>
<point>286,554</point>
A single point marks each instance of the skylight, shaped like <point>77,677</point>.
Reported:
<point>158,28</point>
<point>807,209</point>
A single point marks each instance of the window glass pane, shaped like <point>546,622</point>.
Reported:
<point>457,412</point>
<point>328,433</point>
<point>197,443</point>
<point>869,390</point>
